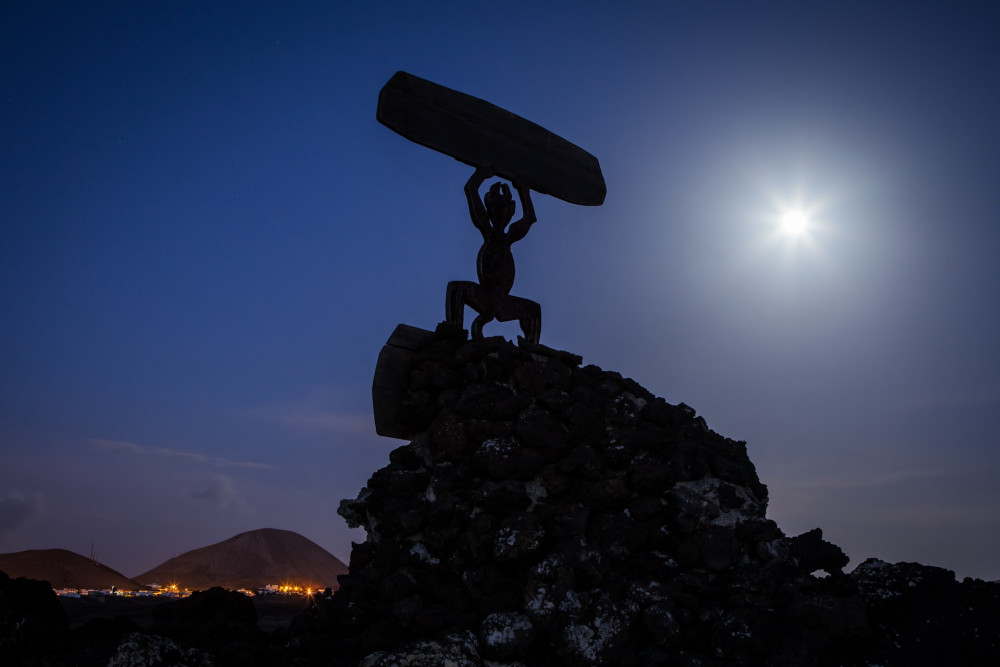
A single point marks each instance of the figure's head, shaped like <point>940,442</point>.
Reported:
<point>499,204</point>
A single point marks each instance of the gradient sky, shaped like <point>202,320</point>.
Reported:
<point>206,238</point>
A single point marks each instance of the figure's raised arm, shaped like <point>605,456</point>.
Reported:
<point>477,211</point>
<point>518,230</point>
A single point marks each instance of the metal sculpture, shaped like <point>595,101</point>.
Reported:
<point>497,143</point>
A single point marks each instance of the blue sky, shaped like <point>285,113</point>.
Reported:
<point>207,238</point>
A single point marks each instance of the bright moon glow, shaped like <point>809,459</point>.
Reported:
<point>794,222</point>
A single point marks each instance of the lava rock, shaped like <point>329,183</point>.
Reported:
<point>506,635</point>
<point>814,553</point>
<point>453,651</point>
<point>140,650</point>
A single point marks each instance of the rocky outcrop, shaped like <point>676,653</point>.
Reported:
<point>207,619</point>
<point>31,618</point>
<point>140,650</point>
<point>220,623</point>
<point>920,615</point>
<point>548,513</point>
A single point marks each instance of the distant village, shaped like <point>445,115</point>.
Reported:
<point>173,591</point>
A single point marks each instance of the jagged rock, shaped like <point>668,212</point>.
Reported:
<point>921,615</point>
<point>546,513</point>
<point>814,553</point>
<point>452,651</point>
<point>211,617</point>
<point>597,631</point>
<point>222,623</point>
<point>139,650</point>
<point>507,635</point>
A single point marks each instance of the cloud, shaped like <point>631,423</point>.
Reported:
<point>220,493</point>
<point>852,480</point>
<point>121,446</point>
<point>313,412</point>
<point>966,397</point>
<point>928,516</point>
<point>17,508</point>
<point>333,422</point>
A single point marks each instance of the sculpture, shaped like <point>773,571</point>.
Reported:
<point>497,143</point>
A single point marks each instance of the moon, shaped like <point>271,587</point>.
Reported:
<point>795,222</point>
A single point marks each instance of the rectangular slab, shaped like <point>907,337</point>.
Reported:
<point>481,134</point>
<point>392,377</point>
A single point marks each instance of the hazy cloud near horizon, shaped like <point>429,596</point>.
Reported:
<point>121,446</point>
<point>854,480</point>
<point>974,397</point>
<point>220,492</point>
<point>16,508</point>
<point>312,412</point>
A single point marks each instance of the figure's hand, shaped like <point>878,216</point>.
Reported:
<point>476,209</point>
<point>520,228</point>
<point>477,179</point>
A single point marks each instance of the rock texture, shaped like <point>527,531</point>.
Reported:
<point>139,650</point>
<point>552,514</point>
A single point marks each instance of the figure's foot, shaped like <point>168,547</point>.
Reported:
<point>532,328</point>
<point>477,327</point>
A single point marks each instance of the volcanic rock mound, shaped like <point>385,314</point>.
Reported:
<point>547,513</point>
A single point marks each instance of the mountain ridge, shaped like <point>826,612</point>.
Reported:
<point>64,569</point>
<point>252,559</point>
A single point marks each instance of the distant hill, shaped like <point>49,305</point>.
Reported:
<point>64,569</point>
<point>251,560</point>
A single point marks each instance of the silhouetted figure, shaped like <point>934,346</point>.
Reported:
<point>491,298</point>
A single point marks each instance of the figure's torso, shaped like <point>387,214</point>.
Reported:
<point>495,265</point>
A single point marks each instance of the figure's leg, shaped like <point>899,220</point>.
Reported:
<point>526,312</point>
<point>462,293</point>
<point>532,325</point>
<point>456,297</point>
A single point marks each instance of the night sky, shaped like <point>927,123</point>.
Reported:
<point>206,238</point>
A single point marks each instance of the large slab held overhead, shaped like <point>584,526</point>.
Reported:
<point>481,134</point>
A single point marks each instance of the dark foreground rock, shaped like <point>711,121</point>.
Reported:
<point>212,627</point>
<point>149,650</point>
<point>31,618</point>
